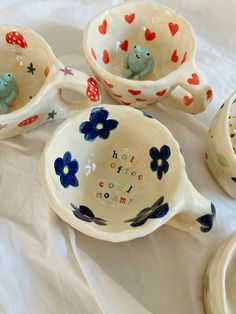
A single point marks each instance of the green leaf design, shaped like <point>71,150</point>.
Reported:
<point>222,160</point>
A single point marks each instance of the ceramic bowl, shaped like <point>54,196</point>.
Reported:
<point>41,78</point>
<point>221,146</point>
<point>175,79</point>
<point>220,284</point>
<point>116,174</point>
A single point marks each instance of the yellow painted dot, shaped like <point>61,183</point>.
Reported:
<point>99,126</point>
<point>66,170</point>
<point>159,162</point>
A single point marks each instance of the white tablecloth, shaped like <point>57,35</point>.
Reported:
<point>45,265</point>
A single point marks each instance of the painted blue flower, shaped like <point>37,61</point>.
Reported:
<point>66,168</point>
<point>98,125</point>
<point>157,210</point>
<point>85,214</point>
<point>159,161</point>
<point>207,220</point>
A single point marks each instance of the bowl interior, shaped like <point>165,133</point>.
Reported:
<point>115,180</point>
<point>113,33</point>
<point>232,124</point>
<point>28,58</point>
<point>231,284</point>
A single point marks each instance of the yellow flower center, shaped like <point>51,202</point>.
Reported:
<point>159,162</point>
<point>66,170</point>
<point>99,126</point>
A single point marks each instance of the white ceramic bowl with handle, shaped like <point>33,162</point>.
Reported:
<point>115,173</point>
<point>175,79</point>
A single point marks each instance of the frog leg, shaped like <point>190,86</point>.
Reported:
<point>146,71</point>
<point>10,99</point>
<point>3,107</point>
<point>128,73</point>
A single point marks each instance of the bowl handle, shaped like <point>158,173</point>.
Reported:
<point>192,93</point>
<point>196,213</point>
<point>85,87</point>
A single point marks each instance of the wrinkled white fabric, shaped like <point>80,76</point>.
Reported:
<point>48,267</point>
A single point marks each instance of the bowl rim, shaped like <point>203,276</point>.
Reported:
<point>119,236</point>
<point>215,299</point>
<point>104,73</point>
<point>28,106</point>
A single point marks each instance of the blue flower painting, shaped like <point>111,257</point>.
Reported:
<point>66,168</point>
<point>98,125</point>
<point>157,210</point>
<point>207,220</point>
<point>159,163</point>
<point>86,214</point>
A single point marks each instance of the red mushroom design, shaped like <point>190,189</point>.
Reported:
<point>15,38</point>
<point>92,89</point>
<point>28,121</point>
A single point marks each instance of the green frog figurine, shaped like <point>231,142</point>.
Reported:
<point>8,91</point>
<point>138,63</point>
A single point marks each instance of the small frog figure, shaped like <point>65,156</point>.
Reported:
<point>8,91</point>
<point>138,63</point>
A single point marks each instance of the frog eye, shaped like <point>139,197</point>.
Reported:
<point>135,46</point>
<point>148,54</point>
<point>9,75</point>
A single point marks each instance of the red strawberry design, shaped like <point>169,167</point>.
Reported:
<point>129,18</point>
<point>15,38</point>
<point>105,57</point>
<point>134,92</point>
<point>187,100</point>
<point>161,92</point>
<point>28,121</point>
<point>194,80</point>
<point>103,27</point>
<point>174,57</point>
<point>92,92</point>
<point>149,35</point>
<point>173,28</point>
<point>124,45</point>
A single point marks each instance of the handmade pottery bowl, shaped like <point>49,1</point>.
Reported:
<point>220,283</point>
<point>175,78</point>
<point>40,77</point>
<point>116,174</point>
<point>221,146</point>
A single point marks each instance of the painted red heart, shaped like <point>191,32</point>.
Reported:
<point>126,103</point>
<point>134,92</point>
<point>161,92</point>
<point>124,45</point>
<point>140,99</point>
<point>103,27</point>
<point>149,35</point>
<point>184,57</point>
<point>93,54</point>
<point>109,84</point>
<point>209,94</point>
<point>129,18</point>
<point>173,28</point>
<point>116,95</point>
<point>194,80</point>
<point>187,100</point>
<point>174,57</point>
<point>105,57</point>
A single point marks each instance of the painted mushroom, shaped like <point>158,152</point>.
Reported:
<point>15,38</point>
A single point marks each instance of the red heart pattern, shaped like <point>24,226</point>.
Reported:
<point>194,80</point>
<point>129,18</point>
<point>106,57</point>
<point>173,28</point>
<point>103,27</point>
<point>93,54</point>
<point>174,57</point>
<point>134,92</point>
<point>124,45</point>
<point>161,92</point>
<point>187,100</point>
<point>149,35</point>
